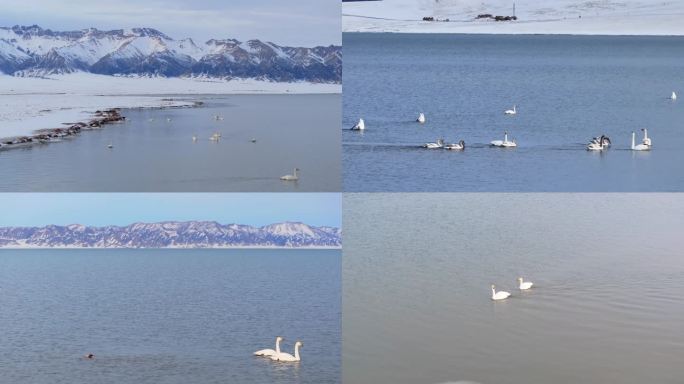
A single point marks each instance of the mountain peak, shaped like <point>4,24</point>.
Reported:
<point>143,51</point>
<point>171,234</point>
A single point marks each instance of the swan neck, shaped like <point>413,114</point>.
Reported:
<point>633,135</point>
<point>297,352</point>
<point>278,346</point>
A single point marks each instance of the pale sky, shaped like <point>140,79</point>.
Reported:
<point>99,209</point>
<point>284,22</point>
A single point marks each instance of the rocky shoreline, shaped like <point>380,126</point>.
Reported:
<point>99,120</point>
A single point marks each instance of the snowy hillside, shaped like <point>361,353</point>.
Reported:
<point>191,234</point>
<point>33,51</point>
<point>587,17</point>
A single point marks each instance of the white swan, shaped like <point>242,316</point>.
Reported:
<point>504,142</point>
<point>194,138</point>
<point>599,143</point>
<point>110,145</point>
<point>360,126</point>
<point>421,118</point>
<point>456,146</point>
<point>673,96</point>
<point>511,111</point>
<point>640,147</point>
<point>286,357</point>
<point>293,177</point>
<point>217,117</point>
<point>524,284</point>
<point>168,119</point>
<point>436,145</point>
<point>647,140</point>
<point>215,137</point>
<point>270,352</point>
<point>499,295</point>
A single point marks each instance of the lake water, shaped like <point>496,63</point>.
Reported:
<point>159,155</point>
<point>607,305</point>
<point>567,89</point>
<point>168,316</point>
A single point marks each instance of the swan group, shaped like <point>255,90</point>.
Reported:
<point>293,177</point>
<point>503,295</point>
<point>599,143</point>
<point>277,355</point>
<point>505,143</point>
<point>645,143</point>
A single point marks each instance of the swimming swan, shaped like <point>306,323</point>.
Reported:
<point>511,111</point>
<point>421,118</point>
<point>647,140</point>
<point>456,146</point>
<point>286,357</point>
<point>524,284</point>
<point>360,126</point>
<point>504,142</point>
<point>499,295</point>
<point>270,352</point>
<point>293,177</point>
<point>674,96</point>
<point>640,147</point>
<point>436,145</point>
<point>110,145</point>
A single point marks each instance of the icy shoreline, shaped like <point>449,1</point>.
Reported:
<point>28,105</point>
<point>566,17</point>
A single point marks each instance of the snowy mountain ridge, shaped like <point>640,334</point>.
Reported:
<point>172,234</point>
<point>36,52</point>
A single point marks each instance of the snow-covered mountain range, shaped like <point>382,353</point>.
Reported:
<point>34,51</point>
<point>171,234</point>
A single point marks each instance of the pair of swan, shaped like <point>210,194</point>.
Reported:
<point>360,126</point>
<point>645,143</point>
<point>599,143</point>
<point>293,177</point>
<point>511,111</point>
<point>502,295</point>
<point>505,143</point>
<point>439,144</point>
<point>277,355</point>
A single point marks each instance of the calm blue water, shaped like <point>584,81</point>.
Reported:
<point>152,154</point>
<point>168,316</point>
<point>568,89</point>
<point>607,305</point>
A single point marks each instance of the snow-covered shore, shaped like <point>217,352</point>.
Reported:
<point>29,104</point>
<point>574,17</point>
